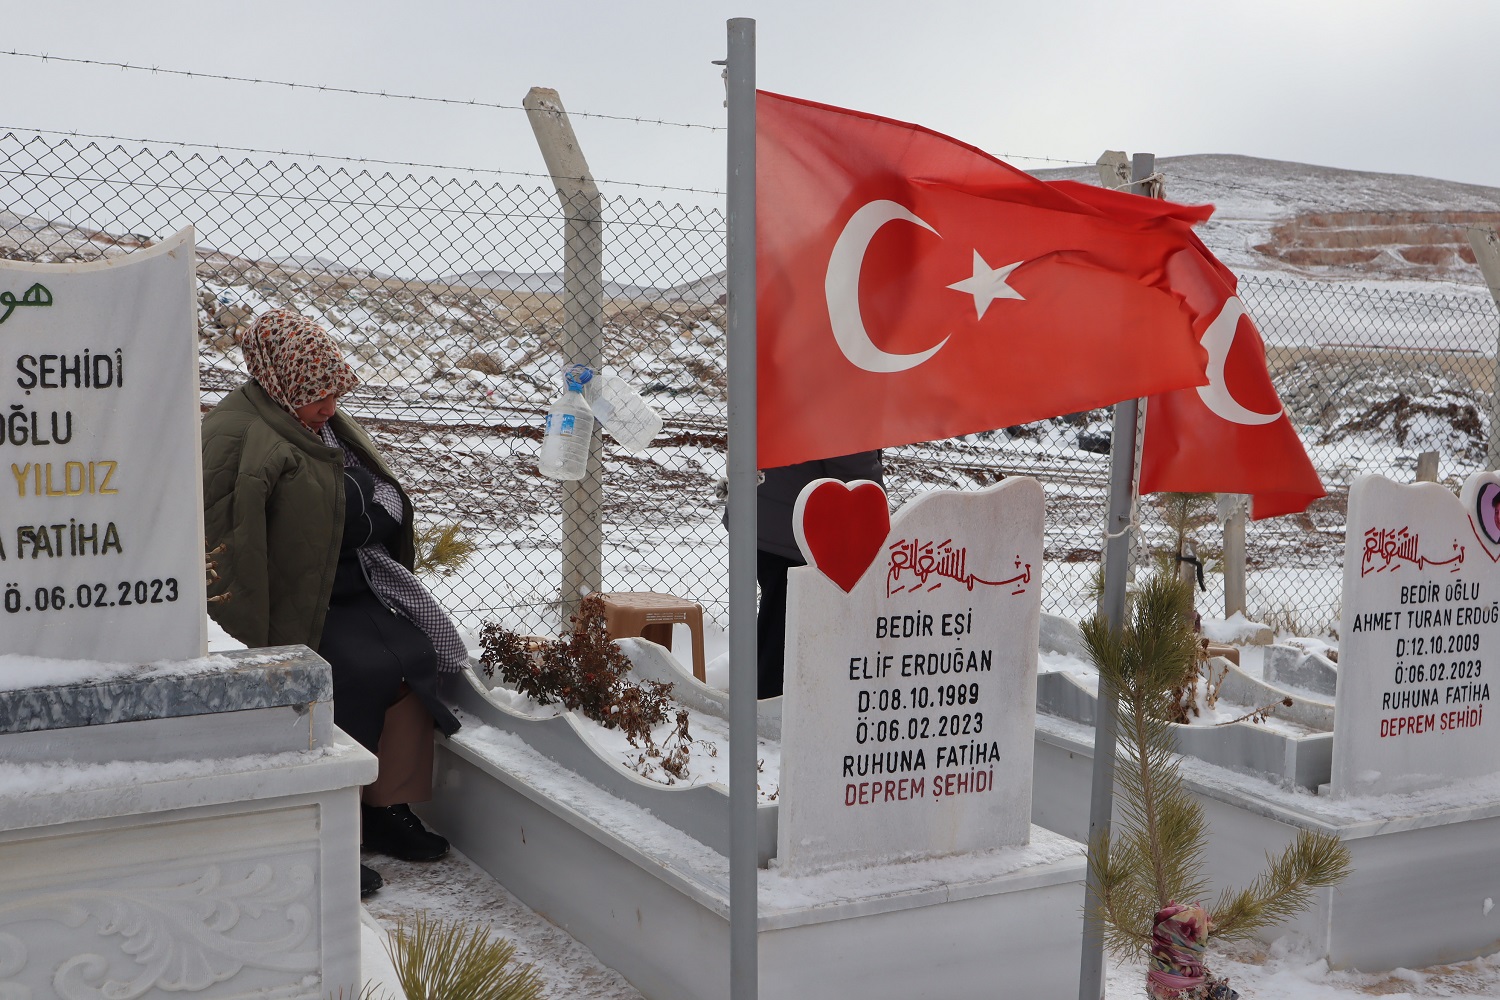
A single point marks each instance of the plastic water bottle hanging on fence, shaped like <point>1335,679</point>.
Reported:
<point>629,419</point>
<point>570,428</point>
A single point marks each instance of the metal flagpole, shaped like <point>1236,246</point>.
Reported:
<point>1122,454</point>
<point>740,266</point>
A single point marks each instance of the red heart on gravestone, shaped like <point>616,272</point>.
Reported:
<point>841,528</point>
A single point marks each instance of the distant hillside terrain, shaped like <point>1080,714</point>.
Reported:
<point>1271,217</point>
<point>1323,223</point>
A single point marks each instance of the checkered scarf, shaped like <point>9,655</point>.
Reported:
<point>294,359</point>
<point>396,585</point>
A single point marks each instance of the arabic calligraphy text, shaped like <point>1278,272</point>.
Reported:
<point>37,295</point>
<point>1391,548</point>
<point>916,565</point>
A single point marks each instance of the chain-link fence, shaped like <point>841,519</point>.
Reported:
<point>1373,379</point>
<point>448,296</point>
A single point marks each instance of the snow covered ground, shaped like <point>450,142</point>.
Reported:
<point>456,888</point>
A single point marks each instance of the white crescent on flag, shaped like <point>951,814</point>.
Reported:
<point>841,287</point>
<point>1217,340</point>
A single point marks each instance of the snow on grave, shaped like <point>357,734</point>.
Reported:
<point>1421,593</point>
<point>911,658</point>
<point>101,545</point>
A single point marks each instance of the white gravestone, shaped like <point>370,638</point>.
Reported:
<point>1419,636</point>
<point>101,530</point>
<point>910,690</point>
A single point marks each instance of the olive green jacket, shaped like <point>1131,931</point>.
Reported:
<point>273,496</point>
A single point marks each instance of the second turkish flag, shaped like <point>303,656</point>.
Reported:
<point>912,288</point>
<point>1232,435</point>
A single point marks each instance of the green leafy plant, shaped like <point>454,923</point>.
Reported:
<point>439,959</point>
<point>442,548</point>
<point>1150,870</point>
<point>588,673</point>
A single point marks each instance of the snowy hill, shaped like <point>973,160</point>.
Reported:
<point>1322,223</point>
<point>1273,218</point>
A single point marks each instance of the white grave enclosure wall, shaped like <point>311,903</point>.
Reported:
<point>1419,636</point>
<point>101,530</point>
<point>909,706</point>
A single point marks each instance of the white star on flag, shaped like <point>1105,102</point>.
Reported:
<point>988,284</point>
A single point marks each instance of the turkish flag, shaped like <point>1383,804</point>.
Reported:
<point>1233,434</point>
<point>913,288</point>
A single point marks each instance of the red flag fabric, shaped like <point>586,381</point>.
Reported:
<point>911,288</point>
<point>1232,435</point>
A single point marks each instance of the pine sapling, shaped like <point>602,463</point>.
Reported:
<point>443,548</point>
<point>1150,872</point>
<point>437,959</point>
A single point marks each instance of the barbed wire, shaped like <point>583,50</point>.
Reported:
<point>325,88</point>
<point>1045,159</point>
<point>465,102</point>
<point>348,159</point>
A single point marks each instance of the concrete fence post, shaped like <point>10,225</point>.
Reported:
<point>1232,517</point>
<point>582,541</point>
<point>1427,467</point>
<point>1486,244</point>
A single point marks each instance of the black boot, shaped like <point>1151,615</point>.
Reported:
<point>369,881</point>
<point>395,830</point>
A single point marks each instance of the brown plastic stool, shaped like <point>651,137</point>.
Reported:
<point>651,616</point>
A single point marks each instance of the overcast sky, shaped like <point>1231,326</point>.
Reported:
<point>1384,85</point>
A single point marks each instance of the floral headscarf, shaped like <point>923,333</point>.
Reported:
<point>294,359</point>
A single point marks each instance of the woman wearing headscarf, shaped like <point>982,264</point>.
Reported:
<point>317,548</point>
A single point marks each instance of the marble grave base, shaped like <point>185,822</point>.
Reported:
<point>1426,872</point>
<point>638,873</point>
<point>180,829</point>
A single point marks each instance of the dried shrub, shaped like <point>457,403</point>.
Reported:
<point>1286,621</point>
<point>485,364</point>
<point>1261,714</point>
<point>1182,704</point>
<point>588,673</point>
